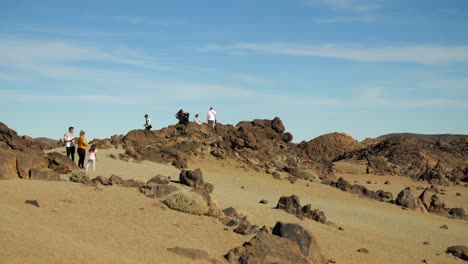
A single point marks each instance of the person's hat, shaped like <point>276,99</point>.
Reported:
<point>146,115</point>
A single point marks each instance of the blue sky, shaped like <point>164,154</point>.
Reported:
<point>361,67</point>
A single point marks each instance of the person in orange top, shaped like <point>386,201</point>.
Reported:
<point>82,146</point>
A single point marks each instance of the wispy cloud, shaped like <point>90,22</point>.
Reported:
<point>70,32</point>
<point>418,54</point>
<point>14,95</point>
<point>140,20</point>
<point>345,19</point>
<point>357,6</point>
<point>251,79</point>
<point>141,92</point>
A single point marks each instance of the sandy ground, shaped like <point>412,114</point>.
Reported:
<point>77,224</point>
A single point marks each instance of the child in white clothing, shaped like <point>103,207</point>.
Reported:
<point>92,158</point>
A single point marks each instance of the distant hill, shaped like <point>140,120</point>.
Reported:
<point>331,146</point>
<point>47,141</point>
<point>432,138</point>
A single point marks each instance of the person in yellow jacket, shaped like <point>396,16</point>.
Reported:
<point>82,146</point>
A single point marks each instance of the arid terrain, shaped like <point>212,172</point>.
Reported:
<point>95,223</point>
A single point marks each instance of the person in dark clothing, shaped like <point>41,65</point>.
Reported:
<point>183,117</point>
<point>69,141</point>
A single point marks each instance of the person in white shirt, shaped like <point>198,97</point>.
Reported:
<point>69,141</point>
<point>211,118</point>
<point>92,158</point>
<point>197,119</point>
<point>148,125</point>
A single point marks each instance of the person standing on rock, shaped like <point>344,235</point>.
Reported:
<point>82,146</point>
<point>197,119</point>
<point>148,125</point>
<point>211,118</point>
<point>69,141</point>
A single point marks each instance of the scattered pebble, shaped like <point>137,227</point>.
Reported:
<point>356,182</point>
<point>426,261</point>
<point>33,202</point>
<point>264,201</point>
<point>387,183</point>
<point>363,250</point>
<point>426,243</point>
<point>368,182</point>
<point>444,226</point>
<point>242,187</point>
<point>458,194</point>
<point>341,228</point>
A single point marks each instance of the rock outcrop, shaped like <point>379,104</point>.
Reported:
<point>406,199</point>
<point>379,195</point>
<point>331,146</point>
<point>289,243</point>
<point>436,160</point>
<point>459,251</point>
<point>22,157</point>
<point>292,206</point>
<point>262,145</point>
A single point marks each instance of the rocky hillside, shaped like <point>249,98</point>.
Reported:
<point>434,138</point>
<point>22,157</point>
<point>330,146</point>
<point>262,145</point>
<point>437,161</point>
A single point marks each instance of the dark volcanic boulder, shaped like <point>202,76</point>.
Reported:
<point>406,199</point>
<point>304,239</point>
<point>290,204</point>
<point>459,251</point>
<point>231,212</point>
<point>267,248</point>
<point>244,228</point>
<point>315,214</point>
<point>158,179</point>
<point>44,175</point>
<point>426,197</point>
<point>379,195</point>
<point>193,179</point>
<point>457,212</point>
<point>61,163</point>
<point>277,125</point>
<point>115,180</point>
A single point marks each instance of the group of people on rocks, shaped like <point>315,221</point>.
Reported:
<point>71,141</point>
<point>184,117</point>
<point>70,145</point>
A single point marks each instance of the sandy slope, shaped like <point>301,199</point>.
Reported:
<point>77,224</point>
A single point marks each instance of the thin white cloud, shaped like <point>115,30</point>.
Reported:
<point>12,95</point>
<point>251,79</point>
<point>345,19</point>
<point>139,20</point>
<point>357,6</point>
<point>71,32</point>
<point>418,54</point>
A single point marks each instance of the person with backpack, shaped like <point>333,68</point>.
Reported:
<point>148,125</point>
<point>211,118</point>
<point>183,117</point>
